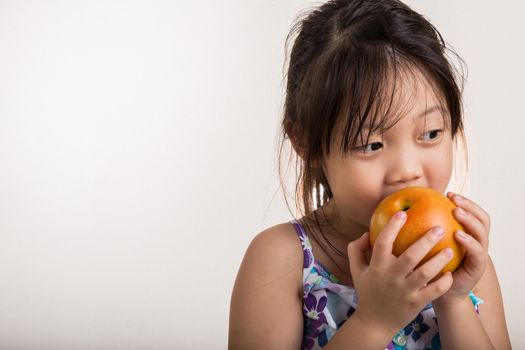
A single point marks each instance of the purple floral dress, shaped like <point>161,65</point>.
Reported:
<point>327,304</point>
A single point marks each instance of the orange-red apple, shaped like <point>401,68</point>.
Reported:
<point>425,209</point>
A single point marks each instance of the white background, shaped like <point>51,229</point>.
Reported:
<point>138,144</point>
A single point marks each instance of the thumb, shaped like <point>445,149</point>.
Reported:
<point>357,255</point>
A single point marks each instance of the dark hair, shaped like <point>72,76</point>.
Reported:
<point>341,60</point>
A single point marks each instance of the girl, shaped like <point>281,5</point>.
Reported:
<point>372,106</point>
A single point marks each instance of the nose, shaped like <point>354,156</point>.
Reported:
<point>406,168</point>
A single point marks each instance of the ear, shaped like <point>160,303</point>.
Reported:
<point>297,144</point>
<point>293,135</point>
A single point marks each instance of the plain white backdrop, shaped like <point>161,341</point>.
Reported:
<point>138,144</point>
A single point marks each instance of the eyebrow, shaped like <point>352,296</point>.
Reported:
<point>429,110</point>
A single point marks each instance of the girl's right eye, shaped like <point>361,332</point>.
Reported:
<point>374,146</point>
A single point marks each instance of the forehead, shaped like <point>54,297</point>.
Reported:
<point>381,104</point>
<point>408,93</point>
<point>431,110</point>
<point>405,92</point>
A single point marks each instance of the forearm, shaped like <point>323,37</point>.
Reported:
<point>355,334</point>
<point>460,327</point>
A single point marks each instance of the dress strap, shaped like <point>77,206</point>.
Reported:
<point>305,244</point>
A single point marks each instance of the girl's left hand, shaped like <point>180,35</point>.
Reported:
<point>475,241</point>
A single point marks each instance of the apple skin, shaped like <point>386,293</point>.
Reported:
<point>425,209</point>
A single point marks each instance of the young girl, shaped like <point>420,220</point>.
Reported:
<point>372,106</point>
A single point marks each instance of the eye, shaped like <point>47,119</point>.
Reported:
<point>433,134</point>
<point>373,146</point>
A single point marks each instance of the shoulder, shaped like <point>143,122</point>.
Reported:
<point>266,301</point>
<point>491,312</point>
<point>276,252</point>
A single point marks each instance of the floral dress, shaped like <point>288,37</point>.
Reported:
<point>327,304</point>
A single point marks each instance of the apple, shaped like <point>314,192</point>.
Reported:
<point>425,209</point>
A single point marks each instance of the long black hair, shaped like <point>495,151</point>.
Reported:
<point>344,54</point>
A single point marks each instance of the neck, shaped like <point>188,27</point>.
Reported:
<point>339,229</point>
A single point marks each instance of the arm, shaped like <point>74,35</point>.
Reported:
<point>392,290</point>
<point>492,314</point>
<point>462,328</point>
<point>266,303</point>
<point>356,334</point>
<point>477,273</point>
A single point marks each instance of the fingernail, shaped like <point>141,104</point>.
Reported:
<point>461,234</point>
<point>438,231</point>
<point>458,198</point>
<point>401,215</point>
<point>448,252</point>
<point>460,211</point>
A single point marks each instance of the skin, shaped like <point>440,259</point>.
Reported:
<point>407,157</point>
<point>268,291</point>
<point>410,155</point>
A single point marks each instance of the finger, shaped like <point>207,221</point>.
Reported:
<point>385,240</point>
<point>472,225</point>
<point>429,269</point>
<point>413,255</point>
<point>437,288</point>
<point>471,207</point>
<point>357,255</point>
<point>475,251</point>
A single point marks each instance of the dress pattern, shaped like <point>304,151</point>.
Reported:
<point>327,304</point>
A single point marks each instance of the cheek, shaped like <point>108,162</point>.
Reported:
<point>439,173</point>
<point>360,190</point>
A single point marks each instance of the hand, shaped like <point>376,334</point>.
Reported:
<point>390,292</point>
<point>477,224</point>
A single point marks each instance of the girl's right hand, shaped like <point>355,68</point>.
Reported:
<point>390,292</point>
